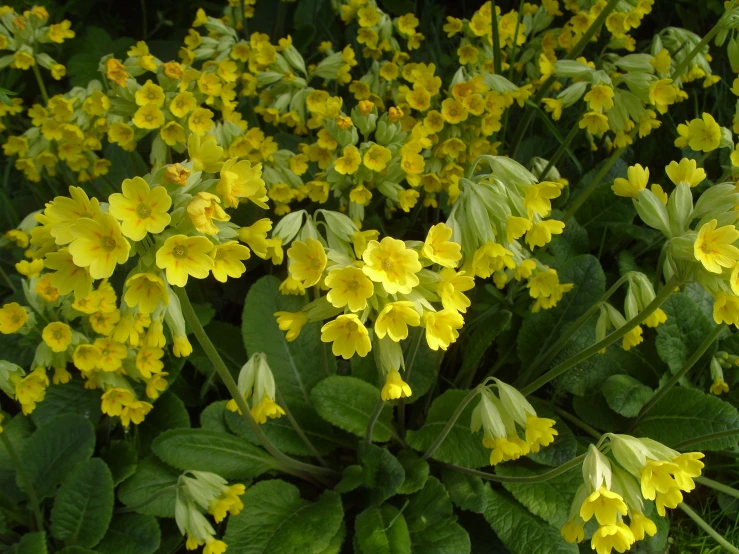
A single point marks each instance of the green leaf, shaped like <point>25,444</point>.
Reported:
<point>297,366</point>
<point>17,431</point>
<point>147,483</point>
<point>213,417</point>
<point>466,491</point>
<point>72,398</point>
<point>202,450</point>
<point>348,402</point>
<point>375,535</point>
<point>76,550</point>
<point>542,329</point>
<point>352,477</point>
<point>549,500</point>
<point>461,446</point>
<point>55,449</point>
<point>284,436</point>
<point>594,410</point>
<point>131,534</point>
<point>564,447</point>
<point>684,414</point>
<point>382,471</point>
<point>432,527</point>
<point>416,471</point>
<point>82,66</point>
<point>84,506</point>
<point>169,412</point>
<point>625,395</point>
<point>686,328</point>
<point>423,363</point>
<point>520,531</point>
<point>334,546</point>
<point>121,459</point>
<point>275,520</point>
<point>477,342</point>
<point>30,543</point>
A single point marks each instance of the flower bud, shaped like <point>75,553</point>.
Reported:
<point>652,211</point>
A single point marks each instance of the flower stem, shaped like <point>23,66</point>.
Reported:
<point>26,479</point>
<point>145,503</point>
<point>574,462</point>
<point>408,371</point>
<point>233,389</point>
<point>707,528</point>
<point>564,145</point>
<point>7,280</point>
<point>299,430</point>
<point>497,60</point>
<point>619,333</point>
<point>715,485</point>
<point>680,69</point>
<point>449,424</point>
<point>689,363</point>
<point>40,81</point>
<point>584,195</point>
<point>373,419</point>
<point>571,55</point>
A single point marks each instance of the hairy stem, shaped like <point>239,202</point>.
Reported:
<point>713,436</point>
<point>233,389</point>
<point>26,480</point>
<point>574,462</point>
<point>619,333</point>
<point>689,363</point>
<point>40,81</point>
<point>449,424</point>
<point>707,528</point>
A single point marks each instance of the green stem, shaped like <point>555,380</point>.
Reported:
<point>707,528</point>
<point>564,414</point>
<point>373,419</point>
<point>7,280</point>
<point>582,197</point>
<point>233,389</point>
<point>715,485</point>
<point>449,424</point>
<point>680,69</point>
<point>689,363</point>
<point>409,370</point>
<point>145,503</point>
<point>561,150</point>
<point>553,350</point>
<point>299,430</point>
<point>512,57</point>
<point>713,436</point>
<point>546,85</point>
<point>619,333</point>
<point>40,81</point>
<point>497,60</point>
<point>574,462</point>
<point>26,479</point>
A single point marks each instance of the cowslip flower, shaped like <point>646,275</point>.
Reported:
<point>348,286</point>
<point>637,180</point>
<point>182,256</point>
<point>714,247</point>
<point>99,245</point>
<point>395,387</point>
<point>348,335</point>
<point>389,262</point>
<point>57,335</point>
<point>12,317</point>
<point>140,209</point>
<point>147,291</point>
<point>307,261</point>
<point>395,318</point>
<point>442,328</point>
<point>227,260</point>
<point>439,249</point>
<point>292,322</point>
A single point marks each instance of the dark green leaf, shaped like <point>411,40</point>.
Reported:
<point>121,459</point>
<point>351,478</point>
<point>466,491</point>
<point>625,395</point>
<point>416,471</point>
<point>71,397</point>
<point>131,534</point>
<point>376,535</point>
<point>30,543</point>
<point>432,527</point>
<point>382,471</point>
<point>147,483</point>
<point>683,332</point>
<point>169,412</point>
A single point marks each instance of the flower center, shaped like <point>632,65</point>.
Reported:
<point>352,285</point>
<point>57,335</point>
<point>351,326</point>
<point>108,244</point>
<point>387,264</point>
<point>143,210</point>
<point>179,252</point>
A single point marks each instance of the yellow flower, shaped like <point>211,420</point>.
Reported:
<point>704,134</point>
<point>599,98</point>
<point>64,212</point>
<point>68,277</point>
<point>506,448</point>
<point>442,328</point>
<point>537,198</point>
<point>641,525</point>
<point>360,195</point>
<point>111,354</point>
<point>135,412</point>
<point>656,318</point>
<point>182,256</point>
<point>172,133</point>
<point>266,408</point>
<point>662,94</point>
<point>661,62</point>
<point>307,261</point>
<point>147,291</point>
<point>203,209</point>
<point>348,335</point>
<point>148,117</point>
<point>594,122</point>
<point>687,171</point>
<point>31,390</point>
<point>23,60</point>
<point>539,432</point>
<point>204,153</point>
<point>719,387</point>
<point>255,237</point>
<point>200,121</point>
<point>395,387</point>
<point>573,531</point>
<point>148,361</point>
<point>156,385</point>
<point>58,32</point>
<point>150,93</point>
<point>239,179</point>
<point>85,357</point>
<point>633,338</point>
<point>183,104</point>
<point>377,157</point>
<point>638,179</point>
<point>453,111</point>
<point>389,262</point>
<point>140,209</point>
<point>29,269</point>
<point>394,319</point>
<point>348,287</point>
<point>541,233</point>
<point>103,323</point>
<point>451,289</point>
<point>553,106</point>
<point>12,317</point>
<point>57,335</point>
<point>491,257</point>
<point>605,505</point>
<point>714,247</point>
<point>99,245</point>
<point>348,164</point>
<point>439,249</point>
<point>407,199</point>
<point>615,535</point>
<point>227,259</point>
<point>292,322</point>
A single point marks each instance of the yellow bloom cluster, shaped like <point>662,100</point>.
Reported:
<point>647,471</point>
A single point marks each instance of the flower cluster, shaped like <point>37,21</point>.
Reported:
<point>640,470</point>
<point>503,418</point>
